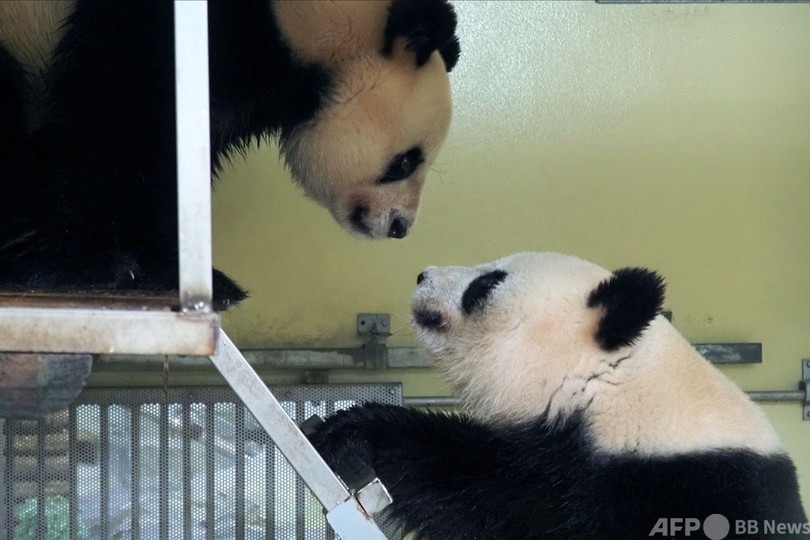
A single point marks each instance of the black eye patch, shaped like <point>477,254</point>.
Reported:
<point>402,166</point>
<point>479,290</point>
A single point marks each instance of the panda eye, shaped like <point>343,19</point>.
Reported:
<point>402,166</point>
<point>479,290</point>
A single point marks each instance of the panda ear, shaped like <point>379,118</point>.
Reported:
<point>426,26</point>
<point>630,300</point>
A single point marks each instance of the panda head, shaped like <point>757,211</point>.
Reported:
<point>508,333</point>
<point>366,152</point>
<point>553,337</point>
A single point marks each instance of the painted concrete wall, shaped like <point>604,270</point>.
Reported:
<point>671,136</point>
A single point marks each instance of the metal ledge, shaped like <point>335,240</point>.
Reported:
<point>78,330</point>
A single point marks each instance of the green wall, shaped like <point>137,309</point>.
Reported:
<point>671,136</point>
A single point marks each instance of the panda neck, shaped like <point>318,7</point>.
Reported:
<point>670,400</point>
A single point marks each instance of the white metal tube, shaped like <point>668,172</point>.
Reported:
<point>269,413</point>
<point>193,153</point>
<point>344,512</point>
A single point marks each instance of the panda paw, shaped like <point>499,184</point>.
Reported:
<point>226,291</point>
<point>107,271</point>
<point>345,441</point>
<point>338,435</point>
<point>352,436</point>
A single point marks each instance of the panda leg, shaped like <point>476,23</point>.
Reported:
<point>34,258</point>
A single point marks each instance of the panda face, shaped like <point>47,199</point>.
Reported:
<point>510,334</point>
<point>365,154</point>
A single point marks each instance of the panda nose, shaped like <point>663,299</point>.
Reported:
<point>398,228</point>
<point>420,278</point>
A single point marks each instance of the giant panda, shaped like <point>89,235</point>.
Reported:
<point>588,416</point>
<point>356,92</point>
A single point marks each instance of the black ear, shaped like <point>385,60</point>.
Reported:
<point>630,299</point>
<point>427,26</point>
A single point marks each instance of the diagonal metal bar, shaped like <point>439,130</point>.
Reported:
<point>344,513</point>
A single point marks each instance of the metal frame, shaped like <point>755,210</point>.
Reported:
<point>140,327</point>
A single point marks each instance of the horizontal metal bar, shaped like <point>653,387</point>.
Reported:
<point>99,331</point>
<point>449,401</point>
<point>730,353</point>
<point>398,357</point>
<point>776,395</point>
<point>431,401</point>
<point>702,1</point>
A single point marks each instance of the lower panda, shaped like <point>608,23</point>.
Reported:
<point>588,416</point>
<point>357,94</point>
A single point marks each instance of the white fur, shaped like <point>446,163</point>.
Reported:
<point>531,350</point>
<point>31,30</point>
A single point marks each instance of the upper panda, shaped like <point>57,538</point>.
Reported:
<point>589,416</point>
<point>356,92</point>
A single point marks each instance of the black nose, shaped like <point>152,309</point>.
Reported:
<point>398,229</point>
<point>420,278</point>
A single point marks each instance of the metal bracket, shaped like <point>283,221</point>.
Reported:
<point>374,324</point>
<point>804,386</point>
<point>378,327</point>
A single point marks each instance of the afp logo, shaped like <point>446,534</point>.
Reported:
<point>714,527</point>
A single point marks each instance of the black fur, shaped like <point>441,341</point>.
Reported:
<point>479,289</point>
<point>630,299</point>
<point>426,27</point>
<point>454,478</point>
<point>87,175</point>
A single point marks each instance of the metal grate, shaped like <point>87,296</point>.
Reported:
<point>135,464</point>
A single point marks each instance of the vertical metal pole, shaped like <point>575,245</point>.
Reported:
<point>8,474</point>
<point>42,465</point>
<point>270,491</point>
<point>187,493</point>
<point>135,470</point>
<point>239,463</point>
<point>210,472</point>
<point>104,469</point>
<point>193,153</point>
<point>163,482</point>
